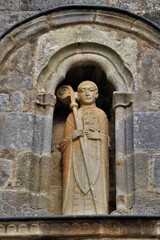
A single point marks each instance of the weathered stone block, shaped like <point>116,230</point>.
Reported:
<point>2,124</point>
<point>155,101</point>
<point>42,135</point>
<point>18,98</point>
<point>22,37</point>
<point>130,174</point>
<point>29,101</point>
<point>153,16</point>
<point>129,135</point>
<point>120,126</point>
<point>56,166</point>
<point>17,72</point>
<point>146,134</point>
<point>156,171</point>
<point>145,210</point>
<point>150,69</point>
<point>17,203</point>
<point>23,168</point>
<point>10,18</point>
<point>5,171</point>
<point>4,102</point>
<point>141,170</point>
<point>55,200</point>
<point>139,6</point>
<point>45,173</point>
<point>140,97</point>
<point>43,5</point>
<point>17,131</point>
<point>34,175</point>
<point>147,198</point>
<point>14,203</point>
<point>9,5</point>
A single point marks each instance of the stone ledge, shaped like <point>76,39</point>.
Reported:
<point>80,226</point>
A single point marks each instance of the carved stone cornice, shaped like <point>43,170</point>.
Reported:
<point>80,226</point>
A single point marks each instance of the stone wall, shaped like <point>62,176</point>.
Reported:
<point>14,11</point>
<point>35,58</point>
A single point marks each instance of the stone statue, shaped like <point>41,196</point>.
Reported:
<point>85,155</point>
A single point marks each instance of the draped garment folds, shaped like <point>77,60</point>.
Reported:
<point>86,186</point>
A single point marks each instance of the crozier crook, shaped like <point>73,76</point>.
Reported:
<point>67,95</point>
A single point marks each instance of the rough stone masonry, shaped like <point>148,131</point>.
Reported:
<point>119,51</point>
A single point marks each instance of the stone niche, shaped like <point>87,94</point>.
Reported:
<point>120,53</point>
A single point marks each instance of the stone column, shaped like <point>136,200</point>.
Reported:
<point>41,168</point>
<point>122,104</point>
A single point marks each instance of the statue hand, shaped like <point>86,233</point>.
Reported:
<point>93,134</point>
<point>77,134</point>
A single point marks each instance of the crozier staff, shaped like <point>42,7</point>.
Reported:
<point>85,156</point>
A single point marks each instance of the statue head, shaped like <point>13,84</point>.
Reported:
<point>87,82</point>
<point>87,92</point>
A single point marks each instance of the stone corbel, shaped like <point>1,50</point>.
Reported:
<point>122,99</point>
<point>45,99</point>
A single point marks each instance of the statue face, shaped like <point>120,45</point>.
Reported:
<point>87,94</point>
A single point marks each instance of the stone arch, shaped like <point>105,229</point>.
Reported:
<point>85,53</point>
<point>81,54</point>
<point>78,54</point>
<point>31,28</point>
<point>117,74</point>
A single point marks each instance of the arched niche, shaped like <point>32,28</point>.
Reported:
<point>86,57</point>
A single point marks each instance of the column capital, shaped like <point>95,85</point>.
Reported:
<point>45,99</point>
<point>122,99</point>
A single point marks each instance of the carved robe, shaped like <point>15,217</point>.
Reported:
<point>85,186</point>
